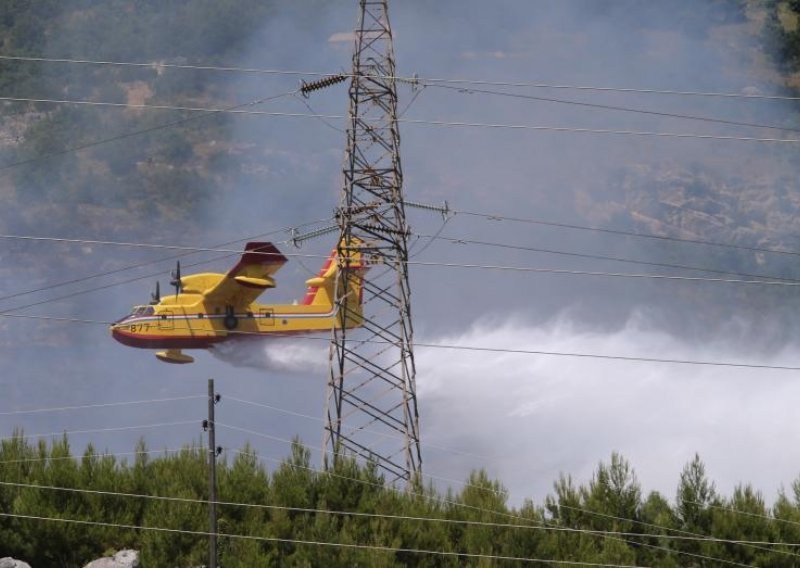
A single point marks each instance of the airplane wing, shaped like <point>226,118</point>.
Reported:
<point>249,278</point>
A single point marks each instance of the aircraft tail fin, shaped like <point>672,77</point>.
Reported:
<point>322,288</point>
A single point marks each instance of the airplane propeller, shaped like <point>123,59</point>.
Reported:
<point>176,278</point>
<point>155,297</point>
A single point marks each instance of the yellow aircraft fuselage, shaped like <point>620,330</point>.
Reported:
<point>172,325</point>
<point>213,308</point>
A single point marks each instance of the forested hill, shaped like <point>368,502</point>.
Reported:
<point>161,174</point>
<point>172,174</point>
<point>299,516</point>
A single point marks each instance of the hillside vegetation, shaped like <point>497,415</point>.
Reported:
<point>132,168</point>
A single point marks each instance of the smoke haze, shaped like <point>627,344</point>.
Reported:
<point>531,416</point>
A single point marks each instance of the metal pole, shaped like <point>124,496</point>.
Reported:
<point>212,479</point>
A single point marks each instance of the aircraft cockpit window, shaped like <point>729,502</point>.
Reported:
<point>140,311</point>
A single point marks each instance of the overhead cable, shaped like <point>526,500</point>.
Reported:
<point>636,133</point>
<point>477,348</point>
<point>321,450</point>
<point>462,522</point>
<point>150,262</point>
<point>461,505</point>
<point>410,80</point>
<point>458,504</point>
<point>389,549</point>
<point>531,269</point>
<point>318,419</point>
<point>522,269</point>
<point>101,430</point>
<point>616,108</point>
<point>466,241</point>
<point>422,122</point>
<point>156,261</point>
<point>306,88</point>
<point>603,534</point>
<point>133,133</point>
<point>744,513</point>
<point>500,217</point>
<point>39,459</point>
<point>99,405</point>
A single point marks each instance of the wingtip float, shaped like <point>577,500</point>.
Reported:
<point>210,308</point>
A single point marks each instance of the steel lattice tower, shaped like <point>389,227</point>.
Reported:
<point>371,402</point>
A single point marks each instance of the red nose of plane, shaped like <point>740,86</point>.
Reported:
<point>124,337</point>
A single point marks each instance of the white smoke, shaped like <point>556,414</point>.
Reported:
<point>286,354</point>
<point>534,416</point>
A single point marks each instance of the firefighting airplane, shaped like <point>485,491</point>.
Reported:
<point>208,308</point>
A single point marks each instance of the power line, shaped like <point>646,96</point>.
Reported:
<point>506,515</point>
<point>608,357</point>
<point>519,269</point>
<point>99,405</point>
<point>136,278</point>
<point>598,106</point>
<point>133,244</point>
<point>636,133</point>
<point>617,108</point>
<point>745,513</point>
<point>531,269</point>
<point>163,259</point>
<point>477,348</point>
<point>753,544</point>
<point>413,80</point>
<point>534,85</point>
<point>133,133</point>
<point>515,517</point>
<point>160,65</point>
<point>319,449</point>
<point>103,455</point>
<point>467,484</point>
<point>603,533</point>
<point>497,217</point>
<point>7,312</point>
<point>100,430</point>
<point>489,511</point>
<point>318,419</point>
<point>692,536</point>
<point>389,549</point>
<point>54,318</point>
<point>147,106</point>
<point>456,240</point>
<point>423,122</point>
<point>487,216</point>
<point>331,473</point>
<point>463,522</point>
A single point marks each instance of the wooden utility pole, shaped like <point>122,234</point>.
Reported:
<point>212,478</point>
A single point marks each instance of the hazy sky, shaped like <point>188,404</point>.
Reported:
<point>524,418</point>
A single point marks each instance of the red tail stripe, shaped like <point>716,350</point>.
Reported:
<point>311,292</point>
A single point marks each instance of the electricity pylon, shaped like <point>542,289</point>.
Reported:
<point>371,401</point>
